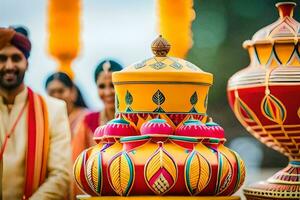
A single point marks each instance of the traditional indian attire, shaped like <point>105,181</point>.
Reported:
<point>76,118</point>
<point>36,162</point>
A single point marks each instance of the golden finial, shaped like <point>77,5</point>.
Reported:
<point>160,47</point>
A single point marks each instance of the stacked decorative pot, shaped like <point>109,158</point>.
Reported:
<point>161,142</point>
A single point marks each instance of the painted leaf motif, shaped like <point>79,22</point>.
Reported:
<point>243,111</point>
<point>161,172</point>
<point>78,165</point>
<point>194,98</point>
<point>128,98</point>
<point>121,171</point>
<point>224,174</point>
<point>94,172</point>
<point>197,173</point>
<point>80,174</point>
<point>298,112</point>
<point>241,171</point>
<point>158,98</point>
<point>273,109</point>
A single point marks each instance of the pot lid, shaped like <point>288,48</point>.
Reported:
<point>161,67</point>
<point>285,30</point>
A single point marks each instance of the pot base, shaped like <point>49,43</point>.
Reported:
<point>285,184</point>
<point>86,197</point>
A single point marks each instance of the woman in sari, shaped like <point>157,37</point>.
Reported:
<point>59,85</point>
<point>106,92</point>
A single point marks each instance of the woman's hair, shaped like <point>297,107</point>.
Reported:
<point>67,81</point>
<point>79,100</point>
<point>107,65</point>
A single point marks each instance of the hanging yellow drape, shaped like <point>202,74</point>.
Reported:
<point>64,32</point>
<point>175,24</point>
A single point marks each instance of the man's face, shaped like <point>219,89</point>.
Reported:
<point>13,66</point>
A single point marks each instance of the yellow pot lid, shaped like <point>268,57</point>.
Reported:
<point>162,68</point>
<point>284,30</point>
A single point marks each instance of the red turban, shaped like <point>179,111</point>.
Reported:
<point>20,41</point>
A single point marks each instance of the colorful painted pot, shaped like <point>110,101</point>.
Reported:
<point>177,166</point>
<point>159,144</point>
<point>265,99</point>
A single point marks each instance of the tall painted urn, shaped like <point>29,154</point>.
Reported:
<point>265,97</point>
<point>161,142</point>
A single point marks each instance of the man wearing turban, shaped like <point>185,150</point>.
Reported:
<point>35,156</point>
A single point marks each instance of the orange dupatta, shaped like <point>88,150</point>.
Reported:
<point>38,144</point>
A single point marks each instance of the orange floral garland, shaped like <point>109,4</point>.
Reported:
<point>64,32</point>
<point>175,23</point>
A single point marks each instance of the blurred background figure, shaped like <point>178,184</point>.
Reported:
<point>106,92</point>
<point>60,85</point>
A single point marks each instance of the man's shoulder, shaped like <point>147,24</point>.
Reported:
<point>54,103</point>
<point>51,102</point>
<point>56,109</point>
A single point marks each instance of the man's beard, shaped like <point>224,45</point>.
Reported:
<point>14,81</point>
